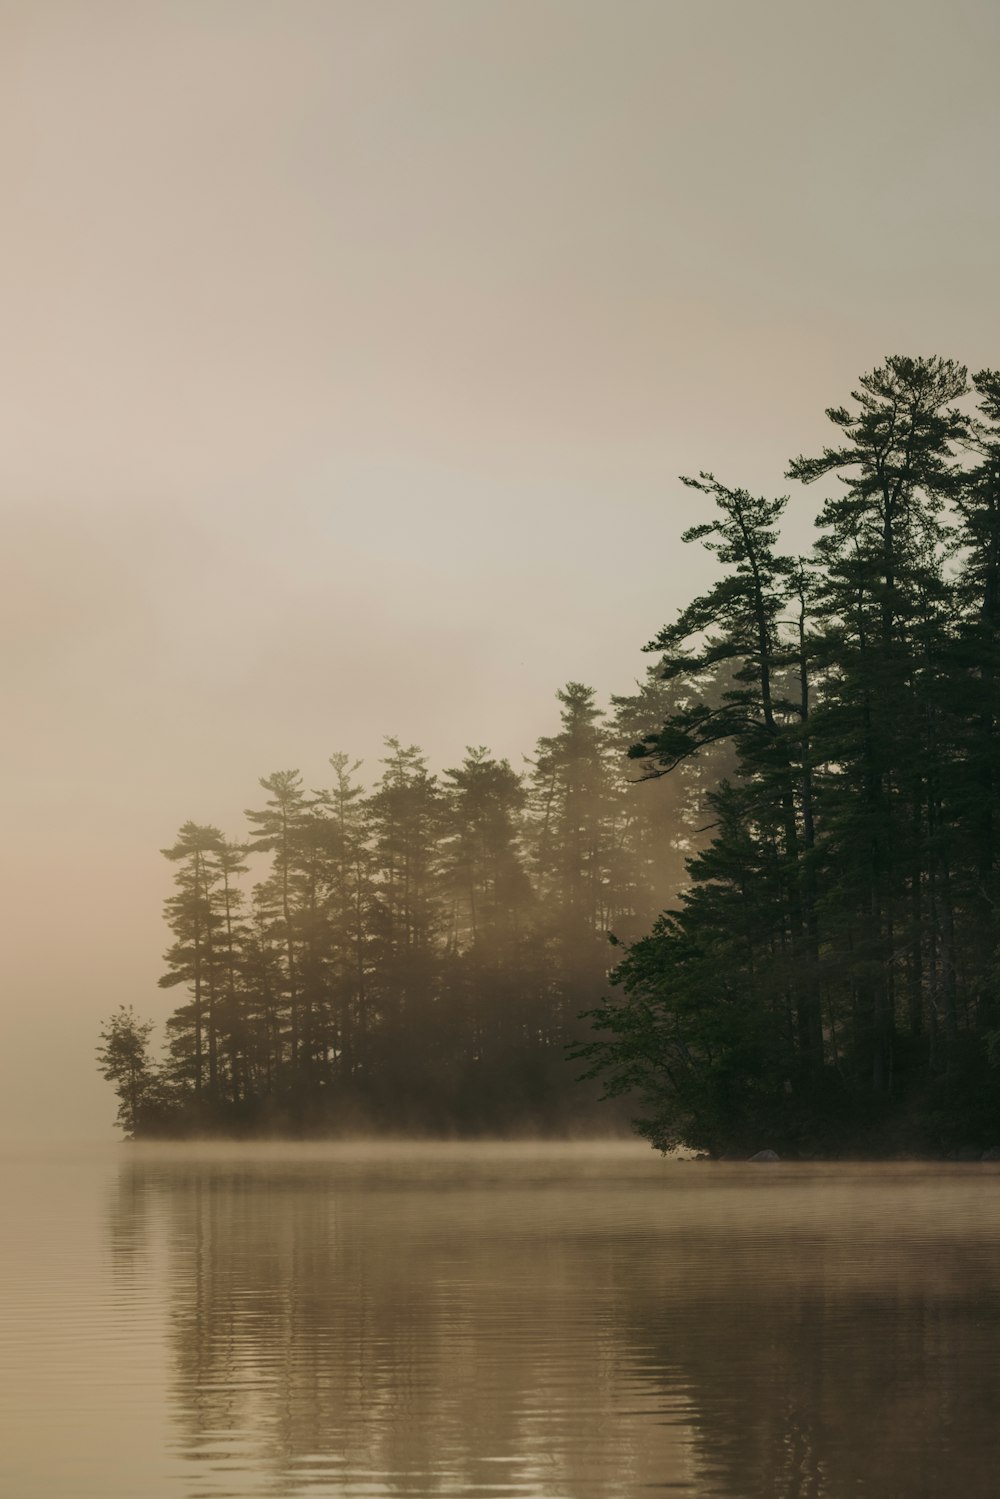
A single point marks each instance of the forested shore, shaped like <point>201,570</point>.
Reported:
<point>801,892</point>
<point>829,982</point>
<point>411,955</point>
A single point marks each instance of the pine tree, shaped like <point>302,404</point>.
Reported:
<point>348,912</point>
<point>193,959</point>
<point>123,1058</point>
<point>573,813</point>
<point>403,814</point>
<point>883,607</point>
<point>491,983</point>
<point>850,877</point>
<point>280,829</point>
<point>231,945</point>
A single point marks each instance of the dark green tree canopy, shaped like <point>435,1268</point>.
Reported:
<point>790,831</point>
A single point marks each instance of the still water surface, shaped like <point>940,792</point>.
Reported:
<point>503,1321</point>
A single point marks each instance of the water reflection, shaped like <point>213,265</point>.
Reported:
<point>570,1324</point>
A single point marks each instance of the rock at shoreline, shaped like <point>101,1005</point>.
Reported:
<point>766,1155</point>
<point>993,1154</point>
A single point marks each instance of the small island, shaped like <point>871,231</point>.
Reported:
<point>756,900</point>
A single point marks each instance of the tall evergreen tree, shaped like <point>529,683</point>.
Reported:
<point>492,981</point>
<point>193,959</point>
<point>124,1060</point>
<point>883,609</point>
<point>281,828</point>
<point>349,913</point>
<point>404,818</point>
<point>829,972</point>
<point>572,812</point>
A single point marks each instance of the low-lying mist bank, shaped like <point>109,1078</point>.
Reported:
<point>347,1127</point>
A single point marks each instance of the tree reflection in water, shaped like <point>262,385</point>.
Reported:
<point>572,1324</point>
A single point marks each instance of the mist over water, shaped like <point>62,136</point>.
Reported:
<point>495,1319</point>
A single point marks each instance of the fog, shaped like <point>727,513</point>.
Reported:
<point>350,352</point>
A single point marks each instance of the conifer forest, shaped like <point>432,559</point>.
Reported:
<point>754,902</point>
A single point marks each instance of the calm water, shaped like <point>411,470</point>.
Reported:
<point>575,1321</point>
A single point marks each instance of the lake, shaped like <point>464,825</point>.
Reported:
<point>557,1321</point>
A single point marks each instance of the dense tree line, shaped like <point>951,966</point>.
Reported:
<point>818,737</point>
<point>829,979</point>
<point>413,954</point>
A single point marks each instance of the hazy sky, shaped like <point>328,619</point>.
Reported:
<point>349,350</point>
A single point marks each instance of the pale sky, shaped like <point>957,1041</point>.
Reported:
<point>349,351</point>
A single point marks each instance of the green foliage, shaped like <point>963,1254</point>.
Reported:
<point>123,1059</point>
<point>829,979</point>
<point>789,831</point>
<point>414,954</point>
